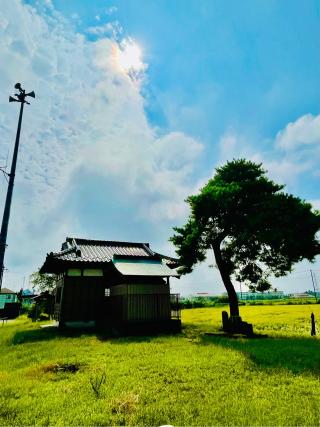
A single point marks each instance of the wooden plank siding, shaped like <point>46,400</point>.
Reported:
<point>140,288</point>
<point>147,307</point>
<point>143,307</point>
<point>81,299</point>
<point>58,297</point>
<point>140,301</point>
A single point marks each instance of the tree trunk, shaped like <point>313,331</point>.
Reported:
<point>233,299</point>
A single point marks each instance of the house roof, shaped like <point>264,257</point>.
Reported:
<point>85,250</point>
<point>77,250</point>
<point>6,291</point>
<point>143,267</point>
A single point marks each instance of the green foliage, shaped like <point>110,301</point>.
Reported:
<point>255,227</point>
<point>187,379</point>
<point>203,301</point>
<point>223,299</point>
<point>220,301</point>
<point>38,311</point>
<point>32,312</point>
<point>198,301</point>
<point>24,308</point>
<point>43,282</point>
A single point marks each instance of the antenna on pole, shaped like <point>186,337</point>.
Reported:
<point>18,97</point>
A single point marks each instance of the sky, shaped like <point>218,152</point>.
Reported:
<point>137,102</point>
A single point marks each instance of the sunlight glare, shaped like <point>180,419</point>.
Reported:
<point>129,57</point>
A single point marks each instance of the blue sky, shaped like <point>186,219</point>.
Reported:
<point>110,156</point>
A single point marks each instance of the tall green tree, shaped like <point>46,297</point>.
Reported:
<point>253,227</point>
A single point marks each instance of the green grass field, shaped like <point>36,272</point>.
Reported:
<point>189,379</point>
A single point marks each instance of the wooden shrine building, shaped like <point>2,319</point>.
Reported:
<point>123,286</point>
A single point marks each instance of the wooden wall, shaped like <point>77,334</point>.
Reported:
<point>82,298</point>
<point>141,302</point>
<point>139,288</point>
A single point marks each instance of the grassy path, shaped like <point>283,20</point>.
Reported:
<point>190,379</point>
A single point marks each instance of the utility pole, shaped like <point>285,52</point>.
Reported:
<point>19,97</point>
<point>313,284</point>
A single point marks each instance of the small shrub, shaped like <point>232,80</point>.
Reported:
<point>37,311</point>
<point>24,308</point>
<point>32,312</point>
<point>44,316</point>
<point>223,299</point>
<point>198,302</point>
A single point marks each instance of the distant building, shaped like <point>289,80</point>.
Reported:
<point>245,296</point>
<point>9,303</point>
<point>121,285</point>
<point>300,295</point>
<point>7,296</point>
<point>314,294</point>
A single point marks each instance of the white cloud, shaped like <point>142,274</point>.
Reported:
<point>231,145</point>
<point>152,168</point>
<point>284,171</point>
<point>108,29</point>
<point>285,158</point>
<point>87,115</point>
<point>304,131</point>
<point>228,146</point>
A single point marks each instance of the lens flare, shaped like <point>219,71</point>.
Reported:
<point>129,57</point>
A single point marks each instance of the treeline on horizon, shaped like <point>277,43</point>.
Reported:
<point>197,301</point>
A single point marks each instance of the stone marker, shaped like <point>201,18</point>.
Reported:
<point>313,325</point>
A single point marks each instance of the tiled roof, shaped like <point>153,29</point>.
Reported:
<point>170,261</point>
<point>76,250</point>
<point>84,250</point>
<point>6,291</point>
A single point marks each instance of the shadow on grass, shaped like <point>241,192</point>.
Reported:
<point>52,333</point>
<point>297,354</point>
<point>45,334</point>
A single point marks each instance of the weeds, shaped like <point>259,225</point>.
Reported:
<point>97,381</point>
<point>125,404</point>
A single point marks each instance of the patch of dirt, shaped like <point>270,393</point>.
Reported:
<point>62,367</point>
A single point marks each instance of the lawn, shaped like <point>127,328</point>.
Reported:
<point>81,378</point>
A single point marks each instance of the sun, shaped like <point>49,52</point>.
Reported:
<point>129,57</point>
